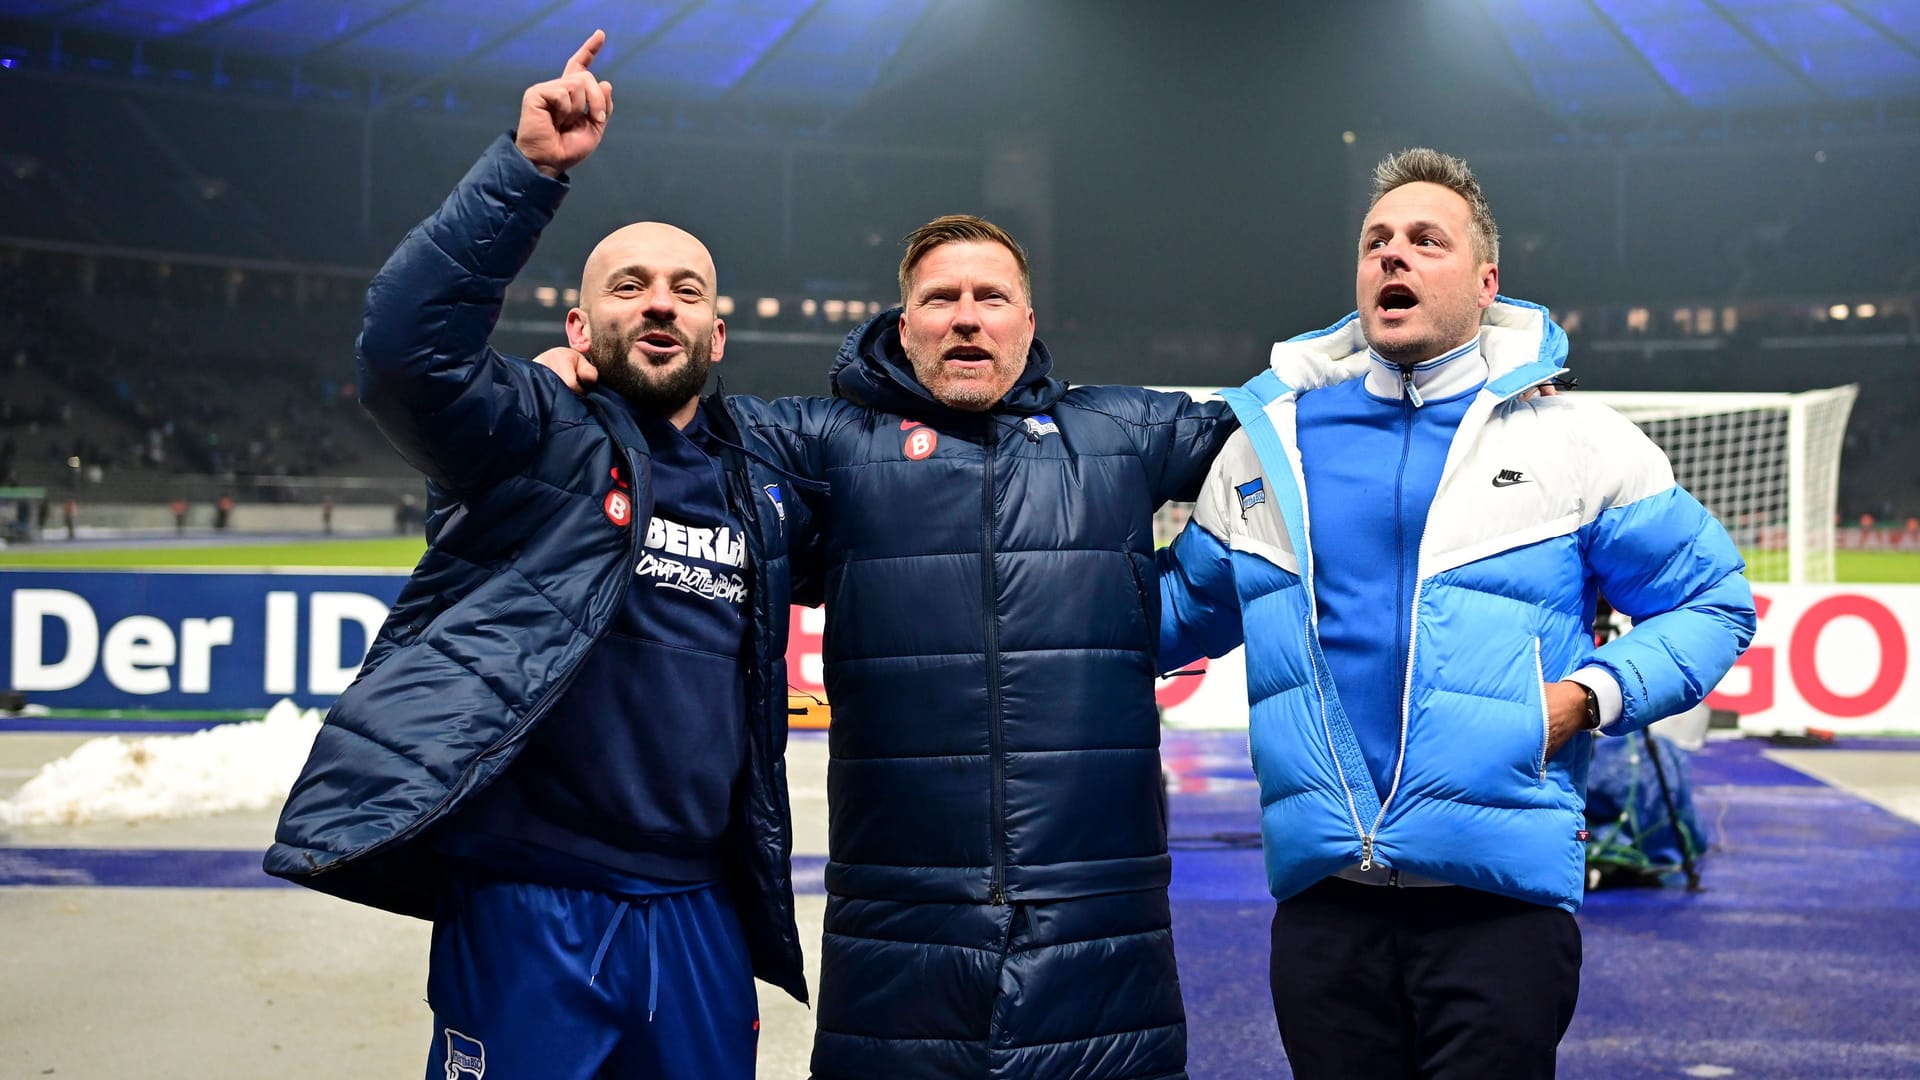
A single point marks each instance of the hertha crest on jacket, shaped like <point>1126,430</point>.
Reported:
<point>466,1057</point>
<point>1039,424</point>
<point>1252,494</point>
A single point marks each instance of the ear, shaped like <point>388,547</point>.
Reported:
<point>579,334</point>
<point>1489,285</point>
<point>719,340</point>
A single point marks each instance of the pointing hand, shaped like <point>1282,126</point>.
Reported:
<point>562,120</point>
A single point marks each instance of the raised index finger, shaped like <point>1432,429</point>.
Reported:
<point>583,58</point>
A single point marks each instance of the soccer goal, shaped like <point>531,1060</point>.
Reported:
<point>1766,465</point>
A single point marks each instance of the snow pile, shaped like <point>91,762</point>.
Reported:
<point>246,766</point>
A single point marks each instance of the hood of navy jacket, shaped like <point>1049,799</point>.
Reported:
<point>872,370</point>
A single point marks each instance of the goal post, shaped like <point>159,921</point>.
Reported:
<point>1767,465</point>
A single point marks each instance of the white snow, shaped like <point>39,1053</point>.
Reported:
<point>244,766</point>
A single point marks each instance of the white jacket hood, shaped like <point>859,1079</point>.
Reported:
<point>1522,345</point>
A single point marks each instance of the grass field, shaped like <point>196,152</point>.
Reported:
<point>1876,567</point>
<point>378,554</point>
<point>1853,567</point>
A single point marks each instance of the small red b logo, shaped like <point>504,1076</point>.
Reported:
<point>921,443</point>
<point>619,508</point>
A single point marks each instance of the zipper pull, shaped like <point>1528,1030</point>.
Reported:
<point>1406,385</point>
<point>1366,854</point>
<point>996,896</point>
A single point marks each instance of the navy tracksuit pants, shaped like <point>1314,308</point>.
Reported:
<point>533,982</point>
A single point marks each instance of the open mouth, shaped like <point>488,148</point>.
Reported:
<point>969,354</point>
<point>660,339</point>
<point>1396,297</point>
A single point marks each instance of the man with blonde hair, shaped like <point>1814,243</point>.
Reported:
<point>998,868</point>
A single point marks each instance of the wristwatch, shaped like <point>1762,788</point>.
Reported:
<point>1593,708</point>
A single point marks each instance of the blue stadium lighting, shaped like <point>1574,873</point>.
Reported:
<point>820,52</point>
<point>1623,56</point>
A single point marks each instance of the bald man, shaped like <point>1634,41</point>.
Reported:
<point>564,746</point>
<point>657,364</point>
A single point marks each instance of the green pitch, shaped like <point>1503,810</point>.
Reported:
<point>1880,567</point>
<point>377,554</point>
<point>1876,567</point>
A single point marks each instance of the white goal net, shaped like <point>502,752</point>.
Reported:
<point>1766,465</point>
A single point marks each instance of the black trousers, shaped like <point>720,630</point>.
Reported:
<point>1435,983</point>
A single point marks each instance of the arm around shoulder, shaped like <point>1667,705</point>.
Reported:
<point>1199,602</point>
<point>1185,436</point>
<point>792,431</point>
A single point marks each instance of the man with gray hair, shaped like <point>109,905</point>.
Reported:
<point>1411,545</point>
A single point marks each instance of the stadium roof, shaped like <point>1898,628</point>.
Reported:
<point>1616,56</point>
<point>820,52</point>
<point>1580,57</point>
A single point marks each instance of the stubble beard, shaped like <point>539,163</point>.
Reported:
<point>1424,344</point>
<point>974,393</point>
<point>970,395</point>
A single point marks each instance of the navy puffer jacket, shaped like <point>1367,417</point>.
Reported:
<point>525,569</point>
<point>992,618</point>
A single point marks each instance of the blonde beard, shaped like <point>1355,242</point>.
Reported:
<point>973,396</point>
<point>967,395</point>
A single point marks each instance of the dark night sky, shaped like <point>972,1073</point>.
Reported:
<point>1199,173</point>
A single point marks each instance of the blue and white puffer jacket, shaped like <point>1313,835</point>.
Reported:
<point>1503,603</point>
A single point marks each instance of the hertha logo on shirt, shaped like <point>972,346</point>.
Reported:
<point>695,559</point>
<point>714,545</point>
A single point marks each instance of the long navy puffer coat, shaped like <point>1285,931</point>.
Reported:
<point>991,634</point>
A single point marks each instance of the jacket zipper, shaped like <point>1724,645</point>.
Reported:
<point>1326,728</point>
<point>1326,722</point>
<point>997,888</point>
<point>1546,718</point>
<point>1410,395</point>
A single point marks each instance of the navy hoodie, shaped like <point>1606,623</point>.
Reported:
<point>628,785</point>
